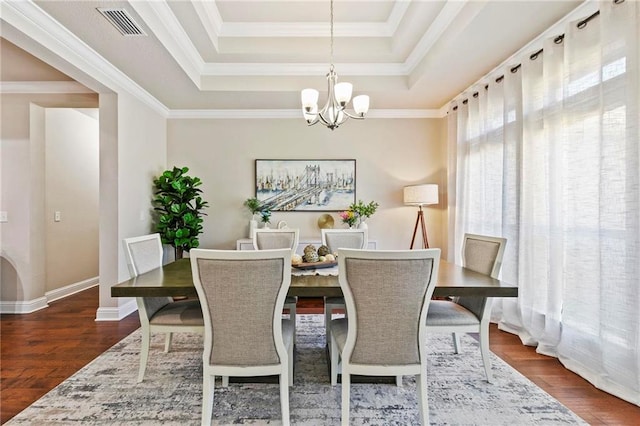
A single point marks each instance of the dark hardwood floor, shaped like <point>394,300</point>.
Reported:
<point>40,350</point>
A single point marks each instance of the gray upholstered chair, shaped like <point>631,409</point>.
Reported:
<point>158,314</point>
<point>267,239</point>
<point>470,314</point>
<point>377,338</point>
<point>335,239</point>
<point>242,295</point>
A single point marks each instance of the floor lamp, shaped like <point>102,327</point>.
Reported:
<point>420,195</point>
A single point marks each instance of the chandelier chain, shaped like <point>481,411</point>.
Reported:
<point>331,34</point>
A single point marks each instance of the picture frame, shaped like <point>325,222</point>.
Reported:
<point>306,185</point>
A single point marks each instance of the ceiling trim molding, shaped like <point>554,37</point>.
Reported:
<point>211,20</point>
<point>305,29</point>
<point>444,19</point>
<point>293,113</point>
<point>271,69</point>
<point>165,26</point>
<point>397,15</point>
<point>39,26</point>
<point>35,87</point>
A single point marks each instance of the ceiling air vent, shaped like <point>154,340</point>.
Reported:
<point>121,19</point>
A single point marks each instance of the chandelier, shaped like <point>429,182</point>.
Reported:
<point>333,113</point>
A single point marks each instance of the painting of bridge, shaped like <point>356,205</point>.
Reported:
<point>306,185</point>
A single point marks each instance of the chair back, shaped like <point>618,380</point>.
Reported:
<point>143,253</point>
<point>242,294</point>
<point>345,238</point>
<point>482,254</point>
<point>269,239</point>
<point>387,295</point>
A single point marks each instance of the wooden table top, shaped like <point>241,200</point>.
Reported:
<point>174,279</point>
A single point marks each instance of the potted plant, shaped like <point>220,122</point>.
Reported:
<point>364,211</point>
<point>265,215</point>
<point>178,201</point>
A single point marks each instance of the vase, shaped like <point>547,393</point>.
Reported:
<point>363,225</point>
<point>253,225</point>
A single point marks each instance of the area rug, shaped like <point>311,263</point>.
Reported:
<point>105,392</point>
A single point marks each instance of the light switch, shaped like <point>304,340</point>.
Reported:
<point>4,217</point>
<point>57,216</point>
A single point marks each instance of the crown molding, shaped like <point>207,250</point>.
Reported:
<point>304,69</point>
<point>444,19</point>
<point>210,19</point>
<point>39,26</point>
<point>165,26</point>
<point>35,87</point>
<point>293,113</point>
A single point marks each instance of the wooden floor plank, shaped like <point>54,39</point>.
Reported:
<point>40,350</point>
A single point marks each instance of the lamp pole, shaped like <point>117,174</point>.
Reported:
<point>420,219</point>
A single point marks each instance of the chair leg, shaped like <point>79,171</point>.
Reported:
<point>423,397</point>
<point>485,352</point>
<point>290,363</point>
<point>167,341</point>
<point>292,316</point>
<point>208,387</point>
<point>284,396</point>
<point>346,398</point>
<point>144,353</point>
<point>327,324</point>
<point>456,342</point>
<point>334,355</point>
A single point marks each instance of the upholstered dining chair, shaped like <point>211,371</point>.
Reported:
<point>335,239</point>
<point>482,254</point>
<point>242,295</point>
<point>158,314</point>
<point>266,239</point>
<point>376,338</point>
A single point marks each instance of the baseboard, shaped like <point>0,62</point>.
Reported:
<point>23,307</point>
<point>116,313</point>
<point>70,289</point>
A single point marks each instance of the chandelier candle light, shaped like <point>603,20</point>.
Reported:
<point>333,113</point>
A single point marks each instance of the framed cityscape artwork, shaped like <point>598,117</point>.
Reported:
<point>306,185</point>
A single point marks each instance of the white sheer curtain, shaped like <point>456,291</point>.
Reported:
<point>549,158</point>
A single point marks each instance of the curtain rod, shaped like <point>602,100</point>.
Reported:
<point>557,40</point>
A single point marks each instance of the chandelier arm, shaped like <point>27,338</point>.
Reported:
<point>356,116</point>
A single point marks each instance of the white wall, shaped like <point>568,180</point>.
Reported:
<point>71,188</point>
<point>389,153</point>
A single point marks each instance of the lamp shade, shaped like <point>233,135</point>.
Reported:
<point>421,195</point>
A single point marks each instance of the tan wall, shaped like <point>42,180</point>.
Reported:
<point>71,188</point>
<point>389,153</point>
<point>22,190</point>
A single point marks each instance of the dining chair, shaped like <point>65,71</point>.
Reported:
<point>158,314</point>
<point>376,338</point>
<point>266,239</point>
<point>335,239</point>
<point>243,294</point>
<point>471,314</point>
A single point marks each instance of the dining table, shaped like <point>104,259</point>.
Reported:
<point>174,279</point>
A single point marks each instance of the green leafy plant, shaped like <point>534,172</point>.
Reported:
<point>179,204</point>
<point>265,215</point>
<point>363,210</point>
<point>253,205</point>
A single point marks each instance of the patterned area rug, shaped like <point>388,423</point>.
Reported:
<point>105,391</point>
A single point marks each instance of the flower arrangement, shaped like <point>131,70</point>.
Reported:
<point>349,217</point>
